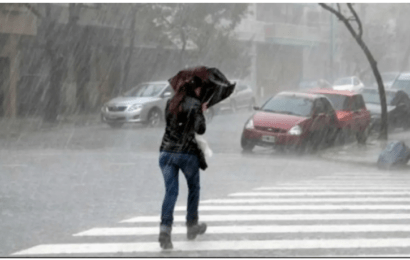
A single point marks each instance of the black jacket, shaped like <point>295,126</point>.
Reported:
<point>180,130</point>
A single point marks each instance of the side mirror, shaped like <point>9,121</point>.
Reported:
<point>256,108</point>
<point>166,94</point>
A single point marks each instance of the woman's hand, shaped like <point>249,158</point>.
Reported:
<point>204,107</point>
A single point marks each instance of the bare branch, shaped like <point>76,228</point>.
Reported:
<point>33,10</point>
<point>338,7</point>
<point>333,11</point>
<point>359,23</point>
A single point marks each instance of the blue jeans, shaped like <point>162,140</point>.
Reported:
<point>170,164</point>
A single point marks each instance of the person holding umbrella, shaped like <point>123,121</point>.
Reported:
<point>195,90</point>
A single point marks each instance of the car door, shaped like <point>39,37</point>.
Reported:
<point>318,116</point>
<point>402,103</point>
<point>361,116</point>
<point>165,96</point>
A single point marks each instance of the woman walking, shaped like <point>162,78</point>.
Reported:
<point>179,150</point>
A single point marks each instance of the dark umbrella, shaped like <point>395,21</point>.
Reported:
<point>215,86</point>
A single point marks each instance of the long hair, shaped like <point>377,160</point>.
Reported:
<point>184,84</point>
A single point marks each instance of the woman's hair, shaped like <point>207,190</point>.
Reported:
<point>185,83</point>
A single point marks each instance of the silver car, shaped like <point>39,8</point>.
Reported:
<point>143,104</point>
<point>242,97</point>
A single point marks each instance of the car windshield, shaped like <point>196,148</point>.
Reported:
<point>339,102</point>
<point>343,81</point>
<point>372,96</point>
<point>403,85</point>
<point>145,90</point>
<point>291,105</point>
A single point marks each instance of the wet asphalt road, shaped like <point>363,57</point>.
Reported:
<point>59,182</point>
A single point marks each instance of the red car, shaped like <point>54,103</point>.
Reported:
<point>291,119</point>
<point>351,111</point>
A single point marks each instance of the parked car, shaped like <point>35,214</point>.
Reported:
<point>242,97</point>
<point>311,84</point>
<point>144,104</point>
<point>348,83</point>
<point>351,111</point>
<point>388,79</point>
<point>398,107</point>
<point>402,82</point>
<point>291,119</point>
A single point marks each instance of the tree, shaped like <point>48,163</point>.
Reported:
<point>205,30</point>
<point>358,36</point>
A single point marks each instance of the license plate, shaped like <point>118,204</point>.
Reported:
<point>269,138</point>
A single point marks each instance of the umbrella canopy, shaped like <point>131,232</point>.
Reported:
<point>215,87</point>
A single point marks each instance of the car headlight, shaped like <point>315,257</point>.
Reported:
<point>296,130</point>
<point>249,125</point>
<point>135,107</point>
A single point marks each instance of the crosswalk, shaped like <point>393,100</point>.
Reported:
<point>344,214</point>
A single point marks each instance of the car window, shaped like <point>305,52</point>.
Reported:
<point>291,105</point>
<point>337,101</point>
<point>357,103</point>
<point>343,81</point>
<point>403,84</point>
<point>355,81</point>
<point>327,106</point>
<point>319,107</point>
<point>372,96</point>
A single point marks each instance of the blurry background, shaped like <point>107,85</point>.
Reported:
<point>61,59</point>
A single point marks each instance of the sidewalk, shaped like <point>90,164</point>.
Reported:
<point>365,155</point>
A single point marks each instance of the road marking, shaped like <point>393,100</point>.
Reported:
<point>299,207</point>
<point>381,177</point>
<point>101,248</point>
<point>281,187</point>
<point>257,229</point>
<point>313,200</point>
<point>275,217</point>
<point>319,193</point>
<point>351,182</point>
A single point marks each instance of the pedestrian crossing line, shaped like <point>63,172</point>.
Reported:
<point>254,229</point>
<point>357,183</point>
<point>275,217</point>
<point>283,187</point>
<point>299,207</point>
<point>376,182</point>
<point>364,177</point>
<point>317,193</point>
<point>222,245</point>
<point>304,200</point>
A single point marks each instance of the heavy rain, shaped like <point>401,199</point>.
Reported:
<point>299,111</point>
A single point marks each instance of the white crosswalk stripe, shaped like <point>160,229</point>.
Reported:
<point>350,214</point>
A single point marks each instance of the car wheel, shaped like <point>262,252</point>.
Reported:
<point>209,115</point>
<point>246,144</point>
<point>154,118</point>
<point>252,104</point>
<point>116,125</point>
<point>233,106</point>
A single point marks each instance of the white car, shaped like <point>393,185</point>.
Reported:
<point>348,83</point>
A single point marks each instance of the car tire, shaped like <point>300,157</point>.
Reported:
<point>233,106</point>
<point>116,125</point>
<point>247,145</point>
<point>154,118</point>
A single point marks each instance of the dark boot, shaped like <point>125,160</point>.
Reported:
<point>165,237</point>
<point>195,229</point>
